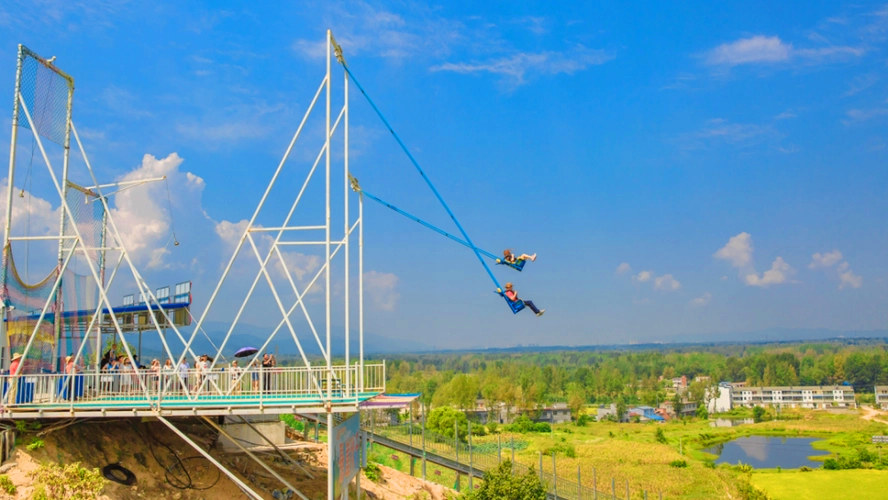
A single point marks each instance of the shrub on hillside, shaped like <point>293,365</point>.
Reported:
<point>500,484</point>
<point>65,482</point>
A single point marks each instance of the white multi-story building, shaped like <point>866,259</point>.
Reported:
<point>795,397</point>
<point>881,393</point>
<point>719,398</point>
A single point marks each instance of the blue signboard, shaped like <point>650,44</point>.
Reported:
<point>347,453</point>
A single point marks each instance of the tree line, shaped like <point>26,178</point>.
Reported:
<point>579,377</point>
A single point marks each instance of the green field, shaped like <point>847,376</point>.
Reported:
<point>823,484</point>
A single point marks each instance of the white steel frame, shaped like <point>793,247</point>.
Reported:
<point>113,241</point>
<point>331,244</point>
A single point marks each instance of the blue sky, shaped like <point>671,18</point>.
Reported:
<point>680,170</point>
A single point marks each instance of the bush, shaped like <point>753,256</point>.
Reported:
<point>709,464</point>
<point>500,484</point>
<point>805,468</point>
<point>831,464</point>
<point>373,472</point>
<point>64,482</point>
<point>6,484</point>
<point>35,444</point>
<point>292,422</point>
<point>542,427</point>
<point>492,426</point>
<point>660,436</point>
<point>758,414</point>
<point>744,468</point>
<point>524,424</point>
<point>565,449</point>
<point>583,420</point>
<point>441,420</point>
<point>678,464</point>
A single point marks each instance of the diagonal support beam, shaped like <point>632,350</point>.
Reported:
<point>236,480</point>
<point>255,458</point>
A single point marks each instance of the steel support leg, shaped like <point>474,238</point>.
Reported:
<point>243,486</point>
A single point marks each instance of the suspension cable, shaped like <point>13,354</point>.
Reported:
<point>422,173</point>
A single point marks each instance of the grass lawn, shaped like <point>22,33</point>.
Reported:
<point>825,484</point>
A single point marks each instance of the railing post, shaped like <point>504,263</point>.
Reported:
<point>456,440</point>
<point>499,448</point>
<point>554,476</point>
<point>412,458</point>
<point>513,453</point>
<point>541,466</point>
<point>613,488</point>
<point>627,489</point>
<point>423,444</point>
<point>579,484</point>
<point>471,456</point>
<point>595,483</point>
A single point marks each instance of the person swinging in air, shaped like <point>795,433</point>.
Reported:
<point>511,258</point>
<point>512,295</point>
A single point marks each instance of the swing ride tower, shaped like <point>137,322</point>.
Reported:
<point>36,317</point>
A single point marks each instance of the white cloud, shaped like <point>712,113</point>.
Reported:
<point>231,232</point>
<point>738,250</point>
<point>847,278</point>
<point>777,275</point>
<point>666,283</point>
<point>761,49</point>
<point>755,49</point>
<point>826,259</point>
<point>724,278</point>
<point>516,68</point>
<point>786,115</point>
<point>624,268</point>
<point>381,289</point>
<point>142,213</point>
<point>702,300</point>
<point>643,276</point>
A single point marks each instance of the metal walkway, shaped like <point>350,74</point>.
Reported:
<point>190,392</point>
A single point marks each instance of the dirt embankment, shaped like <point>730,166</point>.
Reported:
<point>166,467</point>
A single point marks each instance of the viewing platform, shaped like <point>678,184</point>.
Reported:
<point>144,393</point>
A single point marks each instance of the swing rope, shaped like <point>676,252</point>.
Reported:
<point>424,176</point>
<point>428,225</point>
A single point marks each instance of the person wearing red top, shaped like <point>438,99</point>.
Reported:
<point>13,379</point>
<point>513,296</point>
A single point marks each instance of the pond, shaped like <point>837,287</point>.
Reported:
<point>767,452</point>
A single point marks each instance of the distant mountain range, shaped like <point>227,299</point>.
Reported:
<point>254,336</point>
<point>375,345</point>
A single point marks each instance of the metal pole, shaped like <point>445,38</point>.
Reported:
<point>361,287</point>
<point>66,157</point>
<point>579,484</point>
<point>412,458</point>
<point>102,276</point>
<point>471,456</point>
<point>499,449</point>
<point>513,452</point>
<point>541,465</point>
<point>347,241</point>
<point>627,489</point>
<point>614,488</point>
<point>331,447</point>
<point>595,482</point>
<point>327,273</point>
<point>554,476</point>
<point>456,439</point>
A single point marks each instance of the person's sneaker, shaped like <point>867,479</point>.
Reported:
<point>533,258</point>
<point>541,312</point>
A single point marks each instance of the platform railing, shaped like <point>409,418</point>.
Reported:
<point>231,386</point>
